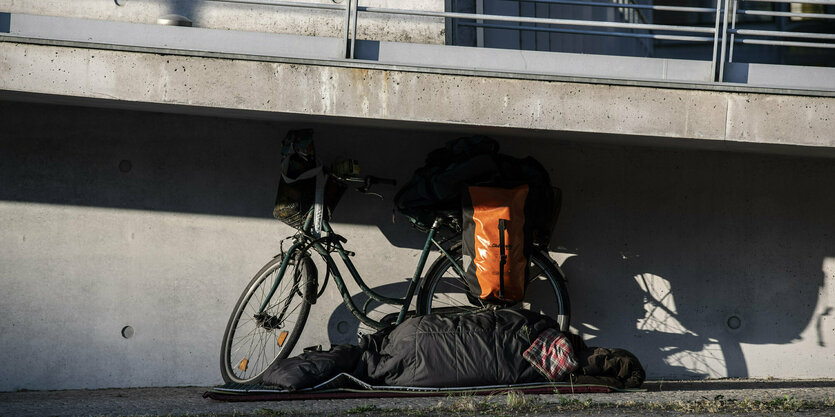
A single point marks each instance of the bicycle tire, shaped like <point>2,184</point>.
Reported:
<point>252,343</point>
<point>445,292</point>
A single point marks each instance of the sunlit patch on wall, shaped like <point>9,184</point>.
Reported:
<point>659,306</point>
<point>824,319</point>
<point>685,349</point>
<point>709,360</point>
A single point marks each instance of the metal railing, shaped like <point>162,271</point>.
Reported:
<point>723,34</point>
<point>756,34</point>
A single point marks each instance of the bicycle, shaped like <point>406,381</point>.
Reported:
<point>271,313</point>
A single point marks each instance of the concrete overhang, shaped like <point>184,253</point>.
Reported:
<point>291,83</point>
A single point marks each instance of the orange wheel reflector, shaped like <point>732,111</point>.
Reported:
<point>243,364</point>
<point>282,337</point>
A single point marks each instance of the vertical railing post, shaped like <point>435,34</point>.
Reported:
<point>451,27</point>
<point>715,41</point>
<point>725,7</point>
<point>733,35</point>
<point>354,18</point>
<point>479,31</point>
<point>346,34</point>
<point>346,42</point>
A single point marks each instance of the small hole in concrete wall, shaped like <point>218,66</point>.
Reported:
<point>120,2</point>
<point>125,166</point>
<point>734,322</point>
<point>342,327</point>
<point>127,332</point>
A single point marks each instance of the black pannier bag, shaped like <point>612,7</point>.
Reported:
<point>439,184</point>
<point>303,182</point>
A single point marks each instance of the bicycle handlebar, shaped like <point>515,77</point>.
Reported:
<point>367,181</point>
<point>370,180</point>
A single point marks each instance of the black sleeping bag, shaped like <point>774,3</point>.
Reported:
<point>463,350</point>
<point>312,367</point>
<point>482,348</point>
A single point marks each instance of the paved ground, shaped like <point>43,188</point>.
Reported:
<point>717,397</point>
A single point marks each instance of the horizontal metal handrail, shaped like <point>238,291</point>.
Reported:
<point>777,35</point>
<point>786,14</point>
<point>723,32</point>
<point>782,34</point>
<point>823,2</point>
<point>537,20</point>
<point>352,9</point>
<point>786,43</point>
<point>628,6</point>
<point>348,41</point>
<point>594,32</point>
<point>281,3</point>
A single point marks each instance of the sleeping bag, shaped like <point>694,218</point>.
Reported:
<point>483,348</point>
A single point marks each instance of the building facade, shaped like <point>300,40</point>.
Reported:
<point>139,161</point>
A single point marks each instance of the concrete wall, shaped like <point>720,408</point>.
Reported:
<point>255,18</point>
<point>114,218</point>
<point>408,95</point>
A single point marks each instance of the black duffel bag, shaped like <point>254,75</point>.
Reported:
<point>439,184</point>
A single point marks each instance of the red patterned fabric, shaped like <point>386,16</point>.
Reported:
<point>552,354</point>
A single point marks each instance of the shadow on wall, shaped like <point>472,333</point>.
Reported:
<point>343,327</point>
<point>683,256</point>
<point>188,164</point>
<point>688,255</point>
<point>186,8</point>
<point>678,256</point>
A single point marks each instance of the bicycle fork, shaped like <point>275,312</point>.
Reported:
<point>415,281</point>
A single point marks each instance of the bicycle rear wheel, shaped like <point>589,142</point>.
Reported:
<point>254,339</point>
<point>444,291</point>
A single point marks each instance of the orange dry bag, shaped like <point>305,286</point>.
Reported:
<point>493,242</point>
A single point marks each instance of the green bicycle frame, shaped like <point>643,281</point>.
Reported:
<point>307,241</point>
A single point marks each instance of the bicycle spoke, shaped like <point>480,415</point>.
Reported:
<point>445,291</point>
<point>251,342</point>
<point>457,283</point>
<point>262,352</point>
<point>535,272</point>
<point>252,334</point>
<point>291,312</point>
<point>451,292</point>
<point>283,300</point>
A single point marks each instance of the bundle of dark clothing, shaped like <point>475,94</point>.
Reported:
<point>497,347</point>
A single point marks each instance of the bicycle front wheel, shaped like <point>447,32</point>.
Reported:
<point>256,337</point>
<point>444,291</point>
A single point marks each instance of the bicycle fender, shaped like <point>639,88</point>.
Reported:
<point>311,287</point>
